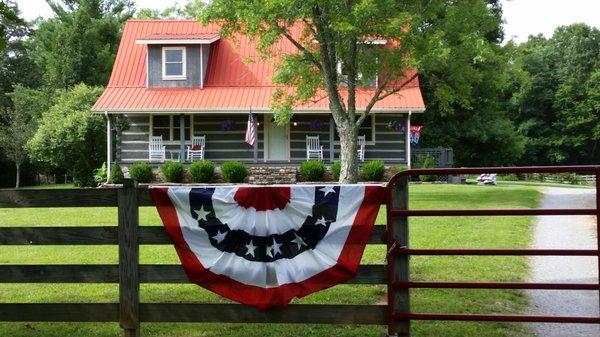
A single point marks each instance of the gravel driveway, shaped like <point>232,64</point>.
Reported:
<point>565,232</point>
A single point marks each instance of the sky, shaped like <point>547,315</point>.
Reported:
<point>522,17</point>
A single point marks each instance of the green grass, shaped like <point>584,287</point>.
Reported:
<point>497,232</point>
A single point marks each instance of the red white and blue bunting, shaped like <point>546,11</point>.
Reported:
<point>263,246</point>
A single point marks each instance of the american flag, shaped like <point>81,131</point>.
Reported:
<point>250,130</point>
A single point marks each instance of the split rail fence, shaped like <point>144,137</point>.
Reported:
<point>129,273</point>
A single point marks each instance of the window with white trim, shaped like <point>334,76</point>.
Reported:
<point>167,126</point>
<point>173,63</point>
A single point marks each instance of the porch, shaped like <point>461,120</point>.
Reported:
<point>385,137</point>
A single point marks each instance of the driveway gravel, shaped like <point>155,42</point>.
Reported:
<point>564,232</point>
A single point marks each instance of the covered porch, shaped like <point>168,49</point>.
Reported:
<point>224,133</point>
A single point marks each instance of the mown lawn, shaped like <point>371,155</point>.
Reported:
<point>497,232</point>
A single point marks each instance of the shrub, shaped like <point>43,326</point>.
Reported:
<point>142,172</point>
<point>172,171</point>
<point>116,175</point>
<point>398,169</point>
<point>373,170</point>
<point>426,161</point>
<point>100,174</point>
<point>312,170</point>
<point>234,171</point>
<point>202,171</point>
<point>336,168</point>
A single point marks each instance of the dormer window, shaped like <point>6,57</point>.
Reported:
<point>173,63</point>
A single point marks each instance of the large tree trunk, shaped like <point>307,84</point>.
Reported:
<point>348,153</point>
<point>18,178</point>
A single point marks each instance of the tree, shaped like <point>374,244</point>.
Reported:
<point>466,94</point>
<point>79,44</point>
<point>16,64</point>
<point>8,17</point>
<point>555,104</point>
<point>176,11</point>
<point>70,135</point>
<point>330,34</point>
<point>19,124</point>
<point>14,135</point>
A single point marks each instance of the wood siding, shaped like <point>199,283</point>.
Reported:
<point>387,145</point>
<point>195,67</point>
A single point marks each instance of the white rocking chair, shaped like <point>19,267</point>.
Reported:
<point>156,149</point>
<point>360,141</point>
<point>313,148</point>
<point>196,151</point>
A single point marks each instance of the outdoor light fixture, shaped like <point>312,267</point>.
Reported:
<point>295,123</point>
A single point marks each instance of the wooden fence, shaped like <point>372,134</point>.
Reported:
<point>129,273</point>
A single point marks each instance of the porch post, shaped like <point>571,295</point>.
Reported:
<point>331,133</point>
<point>181,138</point>
<point>407,131</point>
<point>256,140</point>
<point>109,151</point>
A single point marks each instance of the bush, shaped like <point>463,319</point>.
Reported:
<point>312,170</point>
<point>234,171</point>
<point>336,168</point>
<point>173,171</point>
<point>116,175</point>
<point>100,174</point>
<point>142,172</point>
<point>398,169</point>
<point>426,161</point>
<point>373,170</point>
<point>202,171</point>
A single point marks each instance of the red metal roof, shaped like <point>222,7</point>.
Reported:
<point>237,78</point>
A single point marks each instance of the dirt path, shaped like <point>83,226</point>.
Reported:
<point>565,232</point>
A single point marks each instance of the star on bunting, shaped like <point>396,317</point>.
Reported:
<point>275,248</point>
<point>220,236</point>
<point>298,241</point>
<point>202,213</point>
<point>327,190</point>
<point>250,248</point>
<point>321,221</point>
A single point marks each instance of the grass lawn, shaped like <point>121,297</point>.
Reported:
<point>497,232</point>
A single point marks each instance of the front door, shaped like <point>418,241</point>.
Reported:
<point>277,145</point>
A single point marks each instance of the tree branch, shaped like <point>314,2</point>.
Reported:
<point>378,96</point>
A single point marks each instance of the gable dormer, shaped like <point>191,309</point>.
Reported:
<point>177,60</point>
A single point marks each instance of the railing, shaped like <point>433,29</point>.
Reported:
<point>398,214</point>
<point>129,273</point>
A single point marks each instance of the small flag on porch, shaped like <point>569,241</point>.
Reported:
<point>250,130</point>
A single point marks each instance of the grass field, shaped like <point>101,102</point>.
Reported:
<point>497,232</point>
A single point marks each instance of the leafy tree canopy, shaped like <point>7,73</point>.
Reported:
<point>466,92</point>
<point>329,36</point>
<point>556,102</point>
<point>70,136</point>
<point>80,43</point>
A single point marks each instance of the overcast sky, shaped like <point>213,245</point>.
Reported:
<point>522,17</point>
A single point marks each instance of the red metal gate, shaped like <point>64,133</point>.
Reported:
<point>399,251</point>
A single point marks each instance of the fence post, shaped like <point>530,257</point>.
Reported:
<point>398,298</point>
<point>129,287</point>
